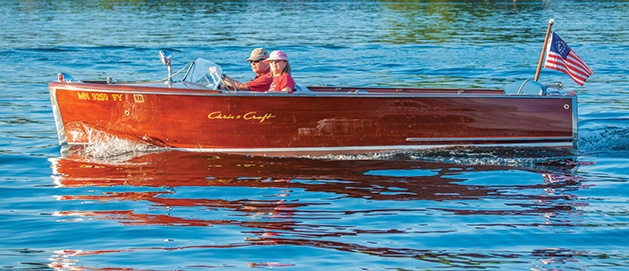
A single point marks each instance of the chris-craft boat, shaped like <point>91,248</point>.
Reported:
<point>197,114</point>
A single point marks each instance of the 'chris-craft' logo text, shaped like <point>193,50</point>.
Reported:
<point>219,115</point>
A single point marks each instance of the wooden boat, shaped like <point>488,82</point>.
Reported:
<point>195,114</point>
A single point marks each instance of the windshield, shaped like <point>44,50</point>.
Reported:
<point>204,72</point>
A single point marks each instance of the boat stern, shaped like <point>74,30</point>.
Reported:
<point>575,119</point>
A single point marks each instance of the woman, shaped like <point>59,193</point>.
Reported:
<point>280,69</point>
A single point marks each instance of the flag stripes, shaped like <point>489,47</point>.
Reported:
<point>560,57</point>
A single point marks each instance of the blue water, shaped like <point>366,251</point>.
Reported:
<point>128,207</point>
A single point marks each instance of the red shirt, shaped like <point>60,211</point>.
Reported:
<point>282,81</point>
<point>261,82</point>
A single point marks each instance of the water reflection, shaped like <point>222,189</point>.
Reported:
<point>367,179</point>
<point>304,202</point>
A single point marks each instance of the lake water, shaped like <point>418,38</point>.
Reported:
<point>124,207</point>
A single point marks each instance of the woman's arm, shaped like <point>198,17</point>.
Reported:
<point>289,83</point>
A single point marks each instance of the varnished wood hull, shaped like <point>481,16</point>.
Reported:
<point>321,121</point>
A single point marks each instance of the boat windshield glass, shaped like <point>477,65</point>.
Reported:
<point>204,72</point>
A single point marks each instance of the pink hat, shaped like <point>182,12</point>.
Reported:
<point>277,55</point>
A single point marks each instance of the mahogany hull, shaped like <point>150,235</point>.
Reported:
<point>322,121</point>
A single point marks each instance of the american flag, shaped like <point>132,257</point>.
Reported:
<point>561,58</point>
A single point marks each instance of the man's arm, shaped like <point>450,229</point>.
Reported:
<point>231,83</point>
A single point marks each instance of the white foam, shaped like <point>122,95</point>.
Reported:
<point>604,140</point>
<point>103,145</point>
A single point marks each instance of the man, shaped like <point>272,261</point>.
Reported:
<point>263,78</point>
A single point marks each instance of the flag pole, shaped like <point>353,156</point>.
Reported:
<point>541,57</point>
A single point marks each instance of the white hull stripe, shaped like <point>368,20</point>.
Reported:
<point>370,148</point>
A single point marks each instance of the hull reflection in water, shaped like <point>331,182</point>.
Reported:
<point>305,202</point>
<point>374,179</point>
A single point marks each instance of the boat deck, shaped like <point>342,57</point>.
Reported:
<point>193,88</point>
<point>405,90</point>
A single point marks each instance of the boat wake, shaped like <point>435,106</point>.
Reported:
<point>105,146</point>
<point>608,140</point>
<point>531,158</point>
<point>119,147</point>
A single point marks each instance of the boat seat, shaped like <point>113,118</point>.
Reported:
<point>526,87</point>
<point>301,88</point>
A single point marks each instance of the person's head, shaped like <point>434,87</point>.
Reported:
<point>278,62</point>
<point>257,58</point>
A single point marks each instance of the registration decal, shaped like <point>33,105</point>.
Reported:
<point>138,98</point>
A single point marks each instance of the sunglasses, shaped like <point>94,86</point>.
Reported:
<point>275,61</point>
<point>256,61</point>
